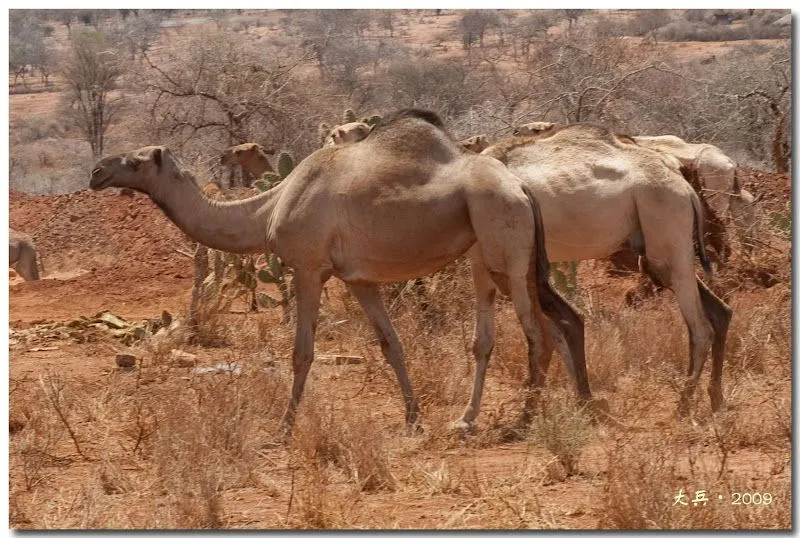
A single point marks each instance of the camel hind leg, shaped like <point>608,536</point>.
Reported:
<point>719,314</point>
<point>707,318</point>
<point>668,229</point>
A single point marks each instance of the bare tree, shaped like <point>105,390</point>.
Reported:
<point>91,71</point>
<point>474,24</point>
<point>26,43</point>
<point>227,90</point>
<point>139,32</point>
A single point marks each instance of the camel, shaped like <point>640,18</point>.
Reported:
<point>598,193</point>
<point>358,131</point>
<point>354,131</point>
<point>22,255</point>
<point>533,128</point>
<point>250,156</point>
<point>718,178</point>
<point>475,144</point>
<point>403,203</point>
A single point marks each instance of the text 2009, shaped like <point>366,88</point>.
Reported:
<point>751,498</point>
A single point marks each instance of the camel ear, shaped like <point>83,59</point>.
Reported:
<point>156,156</point>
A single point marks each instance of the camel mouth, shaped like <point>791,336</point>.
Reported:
<point>97,180</point>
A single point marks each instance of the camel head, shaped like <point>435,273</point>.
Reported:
<point>140,170</point>
<point>475,144</point>
<point>349,132</point>
<point>533,128</point>
<point>242,153</point>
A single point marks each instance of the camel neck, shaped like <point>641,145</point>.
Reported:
<point>239,226</point>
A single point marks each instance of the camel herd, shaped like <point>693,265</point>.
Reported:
<point>403,199</point>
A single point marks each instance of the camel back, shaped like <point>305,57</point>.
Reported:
<point>571,132</point>
<point>416,133</point>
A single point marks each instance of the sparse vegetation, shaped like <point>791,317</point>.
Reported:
<point>193,443</point>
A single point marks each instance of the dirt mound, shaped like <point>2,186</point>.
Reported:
<point>126,236</point>
<point>775,188</point>
<point>100,251</point>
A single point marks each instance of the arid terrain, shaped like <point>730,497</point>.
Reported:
<point>187,436</point>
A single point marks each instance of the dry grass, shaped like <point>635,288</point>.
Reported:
<point>165,448</point>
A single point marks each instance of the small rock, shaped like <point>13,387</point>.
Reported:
<point>125,360</point>
<point>182,359</point>
<point>340,360</point>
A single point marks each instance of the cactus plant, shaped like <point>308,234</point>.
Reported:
<point>372,121</point>
<point>270,179</point>
<point>322,132</point>
<point>285,164</point>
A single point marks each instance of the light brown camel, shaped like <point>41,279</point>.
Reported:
<point>250,156</point>
<point>533,128</point>
<point>349,132</point>
<point>22,255</point>
<point>402,204</point>
<point>718,178</point>
<point>598,193</point>
<point>475,144</point>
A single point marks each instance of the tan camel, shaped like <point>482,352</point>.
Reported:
<point>533,128</point>
<point>598,193</point>
<point>349,132</point>
<point>22,255</point>
<point>404,203</point>
<point>475,144</point>
<point>718,178</point>
<point>250,156</point>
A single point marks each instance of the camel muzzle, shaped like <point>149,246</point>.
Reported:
<point>98,180</point>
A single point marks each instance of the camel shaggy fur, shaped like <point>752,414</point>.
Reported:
<point>403,203</point>
<point>349,132</point>
<point>599,193</point>
<point>22,255</point>
<point>250,156</point>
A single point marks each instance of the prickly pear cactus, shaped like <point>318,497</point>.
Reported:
<point>273,272</point>
<point>285,164</point>
<point>372,121</point>
<point>269,179</point>
<point>322,132</point>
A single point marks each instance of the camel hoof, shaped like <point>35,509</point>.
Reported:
<point>414,428</point>
<point>513,434</point>
<point>463,427</point>
<point>598,410</point>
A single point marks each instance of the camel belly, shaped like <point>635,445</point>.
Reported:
<point>584,221</point>
<point>405,257</point>
<point>406,233</point>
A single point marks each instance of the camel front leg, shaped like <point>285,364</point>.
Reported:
<point>308,287</point>
<point>370,300</point>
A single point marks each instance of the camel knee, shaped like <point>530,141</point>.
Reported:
<point>482,346</point>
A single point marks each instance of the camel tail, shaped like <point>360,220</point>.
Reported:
<point>540,253</point>
<point>700,233</point>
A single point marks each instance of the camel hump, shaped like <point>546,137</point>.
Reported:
<point>413,113</point>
